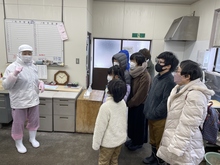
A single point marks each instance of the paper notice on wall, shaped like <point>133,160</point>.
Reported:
<point>42,71</point>
<point>129,49</point>
<point>62,31</point>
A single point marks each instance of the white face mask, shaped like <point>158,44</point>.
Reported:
<point>116,63</point>
<point>26,59</point>
<point>132,65</point>
<point>109,78</point>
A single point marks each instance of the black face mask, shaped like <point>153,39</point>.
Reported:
<point>159,68</point>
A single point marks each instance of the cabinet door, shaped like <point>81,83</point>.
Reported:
<point>46,107</point>
<point>46,123</point>
<point>64,107</point>
<point>64,123</point>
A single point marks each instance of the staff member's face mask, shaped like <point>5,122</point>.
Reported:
<point>26,56</point>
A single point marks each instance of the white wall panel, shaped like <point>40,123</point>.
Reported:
<point>39,12</point>
<point>108,19</point>
<point>138,18</point>
<point>11,11</point>
<point>75,46</point>
<point>11,1</point>
<point>75,3</point>
<point>217,4</point>
<point>204,9</point>
<point>176,47</point>
<point>40,2</point>
<point>89,15</point>
<point>157,47</point>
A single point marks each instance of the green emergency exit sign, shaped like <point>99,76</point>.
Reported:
<point>138,35</point>
<point>142,35</point>
<point>134,35</point>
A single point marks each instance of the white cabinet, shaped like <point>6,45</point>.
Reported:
<point>65,111</point>
<point>46,111</point>
<point>57,111</point>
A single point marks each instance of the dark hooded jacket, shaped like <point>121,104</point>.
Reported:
<point>122,59</point>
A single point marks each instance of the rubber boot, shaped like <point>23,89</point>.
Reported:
<point>32,139</point>
<point>20,147</point>
<point>151,159</point>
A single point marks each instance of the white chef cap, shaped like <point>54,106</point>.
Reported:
<point>25,47</point>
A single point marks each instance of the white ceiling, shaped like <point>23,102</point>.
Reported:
<point>186,2</point>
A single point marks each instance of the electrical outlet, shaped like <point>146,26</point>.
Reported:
<point>77,60</point>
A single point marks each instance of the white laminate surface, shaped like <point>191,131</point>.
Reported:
<point>66,95</point>
<point>47,94</point>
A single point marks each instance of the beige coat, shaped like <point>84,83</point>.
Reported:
<point>182,142</point>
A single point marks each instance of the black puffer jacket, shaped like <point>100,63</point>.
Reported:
<point>122,59</point>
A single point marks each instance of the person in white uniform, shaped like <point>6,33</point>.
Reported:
<point>21,80</point>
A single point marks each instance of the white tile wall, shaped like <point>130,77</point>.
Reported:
<point>39,12</point>
<point>11,11</point>
<point>40,2</point>
<point>108,19</point>
<point>11,1</point>
<point>75,3</point>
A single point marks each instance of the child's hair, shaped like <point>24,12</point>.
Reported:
<point>170,59</point>
<point>117,88</point>
<point>138,57</point>
<point>116,71</point>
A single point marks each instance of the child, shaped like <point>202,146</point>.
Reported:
<point>111,124</point>
<point>115,72</point>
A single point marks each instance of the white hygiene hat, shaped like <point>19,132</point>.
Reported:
<point>25,47</point>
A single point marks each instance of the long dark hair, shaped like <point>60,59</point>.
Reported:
<point>116,71</point>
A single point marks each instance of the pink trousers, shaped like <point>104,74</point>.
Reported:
<point>20,116</point>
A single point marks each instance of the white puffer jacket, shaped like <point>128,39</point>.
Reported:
<point>23,89</point>
<point>182,142</point>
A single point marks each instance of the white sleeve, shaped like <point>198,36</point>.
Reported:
<point>100,127</point>
<point>9,80</point>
